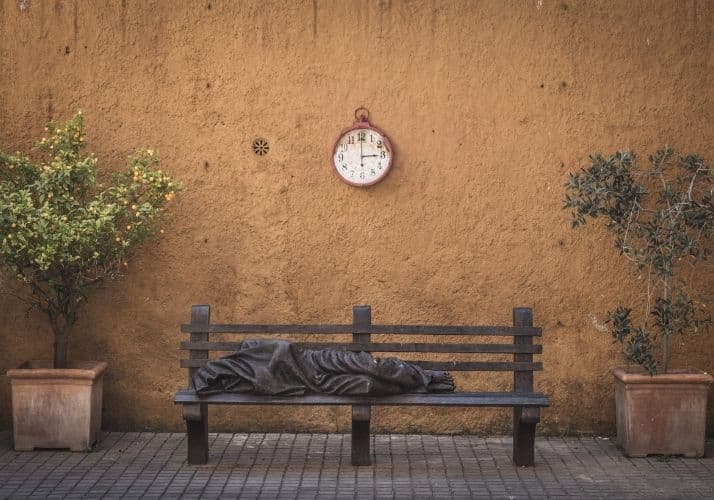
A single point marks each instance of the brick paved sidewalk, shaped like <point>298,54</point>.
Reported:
<point>149,465</point>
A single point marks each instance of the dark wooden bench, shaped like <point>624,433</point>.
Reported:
<point>525,402</point>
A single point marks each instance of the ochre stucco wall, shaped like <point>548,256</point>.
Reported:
<point>488,105</point>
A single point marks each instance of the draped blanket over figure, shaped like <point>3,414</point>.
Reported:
<point>277,367</point>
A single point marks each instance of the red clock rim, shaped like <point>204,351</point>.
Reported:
<point>362,125</point>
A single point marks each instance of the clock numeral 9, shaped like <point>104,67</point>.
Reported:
<point>341,156</point>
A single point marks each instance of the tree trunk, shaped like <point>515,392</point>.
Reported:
<point>61,326</point>
<point>62,319</point>
<point>61,344</point>
<point>665,335</point>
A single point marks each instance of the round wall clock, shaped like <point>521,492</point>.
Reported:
<point>362,154</point>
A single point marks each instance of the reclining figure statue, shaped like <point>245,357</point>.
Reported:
<point>277,367</point>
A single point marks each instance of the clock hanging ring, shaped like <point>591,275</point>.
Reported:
<point>362,154</point>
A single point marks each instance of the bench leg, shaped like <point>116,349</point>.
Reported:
<point>524,426</point>
<point>196,417</point>
<point>360,435</point>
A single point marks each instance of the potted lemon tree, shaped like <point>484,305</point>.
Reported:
<point>61,233</point>
<point>662,220</point>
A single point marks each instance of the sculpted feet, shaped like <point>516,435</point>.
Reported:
<point>441,382</point>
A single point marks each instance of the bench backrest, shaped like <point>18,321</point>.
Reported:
<point>362,329</point>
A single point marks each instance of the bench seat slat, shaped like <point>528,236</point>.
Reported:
<point>381,347</point>
<point>464,399</point>
<point>373,329</point>
<point>456,366</point>
<point>496,366</point>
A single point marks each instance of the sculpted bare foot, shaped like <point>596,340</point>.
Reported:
<point>441,382</point>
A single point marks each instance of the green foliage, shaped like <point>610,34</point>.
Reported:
<point>662,219</point>
<point>636,341</point>
<point>61,231</point>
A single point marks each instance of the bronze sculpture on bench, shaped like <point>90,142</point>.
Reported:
<point>460,340</point>
<point>274,367</point>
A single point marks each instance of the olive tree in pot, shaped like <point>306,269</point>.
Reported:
<point>662,220</point>
<point>61,233</point>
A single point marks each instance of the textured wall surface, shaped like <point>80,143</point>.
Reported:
<point>488,105</point>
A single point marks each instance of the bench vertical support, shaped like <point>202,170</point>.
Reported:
<point>361,414</point>
<point>524,419</point>
<point>197,426</point>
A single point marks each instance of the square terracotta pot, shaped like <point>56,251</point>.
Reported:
<point>56,408</point>
<point>662,414</point>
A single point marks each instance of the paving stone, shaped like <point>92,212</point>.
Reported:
<point>148,465</point>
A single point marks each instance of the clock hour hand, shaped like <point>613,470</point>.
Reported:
<point>370,156</point>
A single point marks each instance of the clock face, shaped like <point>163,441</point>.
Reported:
<point>362,155</point>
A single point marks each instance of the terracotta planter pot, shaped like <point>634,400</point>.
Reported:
<point>56,408</point>
<point>661,414</point>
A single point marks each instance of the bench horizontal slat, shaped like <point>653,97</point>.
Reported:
<point>463,366</point>
<point>381,347</point>
<point>464,399</point>
<point>373,329</point>
<point>456,366</point>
